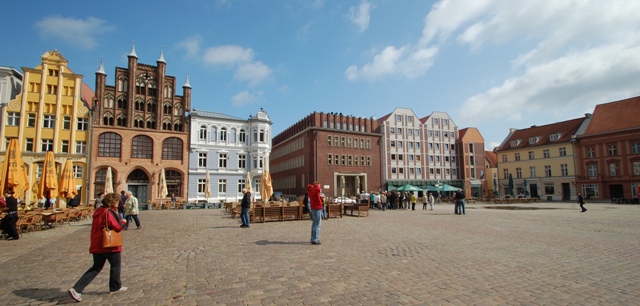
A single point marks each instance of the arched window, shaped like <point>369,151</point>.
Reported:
<point>140,88</point>
<point>177,126</point>
<point>166,125</point>
<point>151,123</point>
<point>122,120</point>
<point>139,105</point>
<point>109,145</point>
<point>100,181</point>
<point>243,136</point>
<point>202,134</point>
<point>223,134</point>
<point>142,147</point>
<point>168,91</point>
<point>214,134</point>
<point>174,182</point>
<point>107,119</point>
<point>138,122</point>
<point>122,102</point>
<point>172,149</point>
<point>262,134</point>
<point>123,84</point>
<point>151,106</point>
<point>108,101</point>
<point>232,136</point>
<point>152,89</point>
<point>167,109</point>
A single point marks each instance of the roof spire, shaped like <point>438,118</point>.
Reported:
<point>133,49</point>
<point>161,59</point>
<point>101,68</point>
<point>186,83</point>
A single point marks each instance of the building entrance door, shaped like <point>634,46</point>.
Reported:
<point>533,190</point>
<point>566,192</point>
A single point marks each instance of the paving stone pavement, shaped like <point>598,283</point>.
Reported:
<point>551,256</point>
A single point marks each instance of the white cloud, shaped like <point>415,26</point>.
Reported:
<point>74,31</point>
<point>191,45</point>
<point>254,72</point>
<point>245,97</point>
<point>228,55</point>
<point>360,16</point>
<point>406,61</point>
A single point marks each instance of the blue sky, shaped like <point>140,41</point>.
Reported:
<point>490,64</point>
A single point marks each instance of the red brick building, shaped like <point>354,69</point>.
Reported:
<point>341,152</point>
<point>139,128</point>
<point>608,151</point>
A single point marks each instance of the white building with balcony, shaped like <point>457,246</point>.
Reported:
<point>227,148</point>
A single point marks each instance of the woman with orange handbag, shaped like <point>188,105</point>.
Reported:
<point>105,216</point>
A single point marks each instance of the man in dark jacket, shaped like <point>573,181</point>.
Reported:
<point>581,202</point>
<point>245,205</point>
<point>458,199</point>
<point>9,221</point>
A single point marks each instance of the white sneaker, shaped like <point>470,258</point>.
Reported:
<point>120,290</point>
<point>75,295</point>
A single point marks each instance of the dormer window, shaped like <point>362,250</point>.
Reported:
<point>534,140</point>
<point>515,143</point>
<point>555,136</point>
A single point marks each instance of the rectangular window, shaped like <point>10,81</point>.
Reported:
<point>52,89</point>
<point>612,150</point>
<point>29,145</point>
<point>435,122</point>
<point>47,145</point>
<point>336,159</point>
<point>504,157</point>
<point>562,151</point>
<point>13,119</point>
<point>343,160</point>
<point>591,152</point>
<point>635,148</point>
<point>593,170</point>
<point>324,124</point>
<point>417,133</point>
<point>368,161</point>
<point>330,159</point>
<point>531,155</point>
<point>201,185</point>
<point>409,118</point>
<point>518,172</point>
<point>31,120</point>
<point>532,171</point>
<point>329,142</point>
<point>343,141</point>
<point>241,185</point>
<point>202,160</point>
<point>350,160</point>
<point>222,161</point>
<point>368,144</point>
<point>78,171</point>
<point>400,156</point>
<point>355,160</point>
<point>222,185</point>
<point>398,117</point>
<point>545,153</point>
<point>401,170</point>
<point>417,145</point>
<point>410,132</point>
<point>336,141</point>
<point>361,143</point>
<point>83,124</point>
<point>393,170</point>
<point>349,141</point>
<point>547,171</point>
<point>590,190</point>
<point>393,157</point>
<point>393,143</point>
<point>392,130</point>
<point>362,161</point>
<point>47,121</point>
<point>613,169</point>
<point>399,131</point>
<point>242,161</point>
<point>564,170</point>
<point>65,146</point>
<point>399,144</point>
<point>505,173</point>
<point>517,155</point>
<point>66,123</point>
<point>549,189</point>
<point>81,147</point>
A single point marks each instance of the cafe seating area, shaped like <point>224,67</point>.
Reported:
<point>45,219</point>
<point>270,211</point>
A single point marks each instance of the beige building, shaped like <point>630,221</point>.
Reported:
<point>51,113</point>
<point>470,152</point>
<point>539,162</point>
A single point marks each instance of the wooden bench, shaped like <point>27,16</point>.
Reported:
<point>335,210</point>
<point>359,208</point>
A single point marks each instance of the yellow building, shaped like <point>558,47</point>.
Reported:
<point>539,162</point>
<point>50,114</point>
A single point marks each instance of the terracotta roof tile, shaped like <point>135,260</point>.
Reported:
<point>613,116</point>
<point>543,133</point>
<point>492,157</point>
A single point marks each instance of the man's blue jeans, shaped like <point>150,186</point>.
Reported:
<point>244,216</point>
<point>316,218</point>
<point>460,207</point>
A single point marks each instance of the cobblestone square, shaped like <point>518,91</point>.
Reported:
<point>554,255</point>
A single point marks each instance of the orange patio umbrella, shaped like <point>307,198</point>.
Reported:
<point>207,187</point>
<point>248,182</point>
<point>67,181</point>
<point>266,189</point>
<point>48,186</point>
<point>162,185</point>
<point>13,173</point>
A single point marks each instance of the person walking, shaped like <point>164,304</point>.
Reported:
<point>581,202</point>
<point>458,199</point>
<point>8,224</point>
<point>131,210</point>
<point>98,202</point>
<point>105,215</point>
<point>245,205</point>
<point>431,200</point>
<point>316,211</point>
<point>123,199</point>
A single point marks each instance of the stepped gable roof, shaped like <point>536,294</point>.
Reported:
<point>615,116</point>
<point>213,115</point>
<point>559,132</point>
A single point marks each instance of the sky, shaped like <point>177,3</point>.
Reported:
<point>490,64</point>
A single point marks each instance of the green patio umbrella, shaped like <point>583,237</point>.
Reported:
<point>408,187</point>
<point>511,184</point>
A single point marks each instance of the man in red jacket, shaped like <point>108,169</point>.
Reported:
<point>316,211</point>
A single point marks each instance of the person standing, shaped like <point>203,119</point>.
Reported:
<point>123,199</point>
<point>245,205</point>
<point>173,200</point>
<point>431,200</point>
<point>581,202</point>
<point>98,202</point>
<point>131,210</point>
<point>105,215</point>
<point>458,199</point>
<point>413,201</point>
<point>9,221</point>
<point>383,200</point>
<point>316,211</point>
